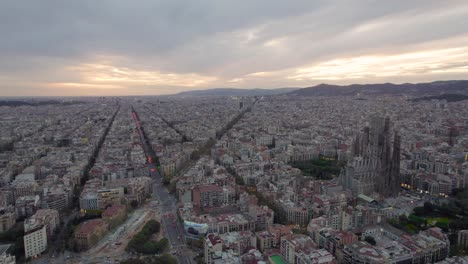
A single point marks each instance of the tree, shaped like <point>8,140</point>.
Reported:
<point>417,221</point>
<point>163,259</point>
<point>428,208</point>
<point>443,226</point>
<point>133,261</point>
<point>300,231</point>
<point>141,242</point>
<point>419,211</point>
<point>150,247</point>
<point>94,213</point>
<point>403,219</point>
<point>162,245</point>
<point>198,243</point>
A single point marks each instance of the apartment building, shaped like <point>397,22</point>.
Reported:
<point>35,238</point>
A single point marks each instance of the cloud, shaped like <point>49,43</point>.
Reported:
<point>160,46</point>
<point>83,85</point>
<point>103,74</point>
<point>368,67</point>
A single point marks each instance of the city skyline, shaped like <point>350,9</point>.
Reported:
<point>234,132</point>
<point>236,179</point>
<point>154,48</point>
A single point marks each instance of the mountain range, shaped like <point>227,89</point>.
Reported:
<point>413,89</point>
<point>417,89</point>
<point>236,92</point>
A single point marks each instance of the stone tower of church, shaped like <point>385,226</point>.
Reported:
<point>374,166</point>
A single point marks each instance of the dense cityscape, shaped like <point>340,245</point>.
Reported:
<point>252,179</point>
<point>234,132</point>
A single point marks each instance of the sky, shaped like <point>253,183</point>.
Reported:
<point>151,47</point>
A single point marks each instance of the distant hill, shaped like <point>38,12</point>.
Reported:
<point>236,92</point>
<point>448,97</point>
<point>14,103</point>
<point>417,89</point>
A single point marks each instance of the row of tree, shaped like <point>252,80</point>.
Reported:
<point>93,157</point>
<point>142,243</point>
<point>163,259</point>
<point>236,119</point>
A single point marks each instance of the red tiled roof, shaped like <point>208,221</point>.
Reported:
<point>113,210</point>
<point>214,239</point>
<point>90,226</point>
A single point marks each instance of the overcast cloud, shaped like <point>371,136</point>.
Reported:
<point>111,47</point>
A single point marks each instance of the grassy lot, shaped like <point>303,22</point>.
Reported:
<point>442,220</point>
<point>321,168</point>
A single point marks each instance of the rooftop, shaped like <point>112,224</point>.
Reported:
<point>90,226</point>
<point>4,248</point>
<point>113,210</point>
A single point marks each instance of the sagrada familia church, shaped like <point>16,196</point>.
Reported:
<point>374,167</point>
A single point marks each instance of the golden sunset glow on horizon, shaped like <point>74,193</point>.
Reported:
<point>227,45</point>
<point>101,74</point>
<point>415,63</point>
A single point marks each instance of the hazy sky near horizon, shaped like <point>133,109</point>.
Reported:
<point>116,47</point>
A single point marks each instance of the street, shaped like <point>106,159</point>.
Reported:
<point>111,248</point>
<point>167,204</point>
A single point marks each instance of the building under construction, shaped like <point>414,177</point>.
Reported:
<point>374,166</point>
